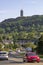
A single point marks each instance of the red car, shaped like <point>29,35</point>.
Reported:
<point>30,57</point>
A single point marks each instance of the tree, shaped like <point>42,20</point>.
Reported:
<point>14,36</point>
<point>30,44</point>
<point>10,46</point>
<point>0,39</point>
<point>2,30</point>
<point>40,45</point>
<point>1,47</point>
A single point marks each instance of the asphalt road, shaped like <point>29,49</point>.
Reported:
<point>17,61</point>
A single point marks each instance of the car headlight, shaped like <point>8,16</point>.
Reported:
<point>7,56</point>
<point>37,57</point>
<point>25,57</point>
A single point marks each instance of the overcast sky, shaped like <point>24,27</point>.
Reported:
<point>11,8</point>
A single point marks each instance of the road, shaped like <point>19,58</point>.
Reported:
<point>17,61</point>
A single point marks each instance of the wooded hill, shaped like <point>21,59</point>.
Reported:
<point>26,24</point>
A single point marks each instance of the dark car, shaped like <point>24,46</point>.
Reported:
<point>30,57</point>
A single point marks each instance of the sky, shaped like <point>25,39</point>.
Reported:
<point>11,8</point>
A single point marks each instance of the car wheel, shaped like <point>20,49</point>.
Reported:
<point>7,59</point>
<point>26,61</point>
<point>23,60</point>
<point>37,61</point>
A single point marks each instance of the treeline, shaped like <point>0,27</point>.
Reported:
<point>22,24</point>
<point>31,36</point>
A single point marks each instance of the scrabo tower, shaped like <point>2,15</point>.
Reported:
<point>21,13</point>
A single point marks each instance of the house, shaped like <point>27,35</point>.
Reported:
<point>7,41</point>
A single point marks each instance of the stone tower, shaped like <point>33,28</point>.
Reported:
<point>21,13</point>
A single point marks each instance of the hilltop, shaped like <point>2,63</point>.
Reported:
<point>19,24</point>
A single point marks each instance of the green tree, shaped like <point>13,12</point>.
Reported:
<point>40,45</point>
<point>0,39</point>
<point>1,47</point>
<point>30,44</point>
<point>14,36</point>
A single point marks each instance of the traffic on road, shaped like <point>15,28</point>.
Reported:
<point>14,60</point>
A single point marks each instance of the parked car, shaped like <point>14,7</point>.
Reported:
<point>3,55</point>
<point>30,57</point>
<point>10,52</point>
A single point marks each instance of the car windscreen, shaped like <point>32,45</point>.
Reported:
<point>30,54</point>
<point>3,53</point>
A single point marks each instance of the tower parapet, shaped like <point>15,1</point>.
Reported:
<point>21,13</point>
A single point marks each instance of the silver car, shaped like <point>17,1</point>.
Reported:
<point>3,55</point>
